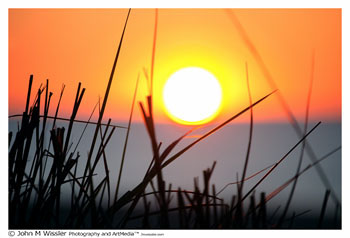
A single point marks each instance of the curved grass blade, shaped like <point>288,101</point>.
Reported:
<point>126,139</point>
<point>213,130</point>
<point>140,188</point>
<point>75,120</point>
<point>303,145</point>
<point>250,45</point>
<point>279,189</point>
<point>285,156</point>
<point>105,98</point>
<point>246,179</point>
<point>250,134</point>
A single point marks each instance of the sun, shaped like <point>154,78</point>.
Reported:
<point>192,96</point>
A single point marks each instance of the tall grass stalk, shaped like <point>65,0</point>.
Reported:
<point>292,119</point>
<point>250,131</point>
<point>303,144</point>
<point>39,174</point>
<point>280,161</point>
<point>105,100</point>
<point>126,139</point>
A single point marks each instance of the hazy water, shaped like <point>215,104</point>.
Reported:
<point>228,148</point>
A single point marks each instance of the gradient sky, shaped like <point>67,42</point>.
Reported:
<point>69,46</point>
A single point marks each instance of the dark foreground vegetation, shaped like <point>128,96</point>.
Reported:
<point>48,190</point>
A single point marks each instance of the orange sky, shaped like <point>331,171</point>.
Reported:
<point>72,45</point>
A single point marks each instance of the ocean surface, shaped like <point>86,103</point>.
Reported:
<point>228,147</point>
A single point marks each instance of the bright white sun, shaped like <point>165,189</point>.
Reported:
<point>192,96</point>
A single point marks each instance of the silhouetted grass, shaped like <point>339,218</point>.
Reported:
<point>270,80</point>
<point>39,174</point>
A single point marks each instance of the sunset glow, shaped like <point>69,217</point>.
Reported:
<point>192,96</point>
<point>174,118</point>
<point>69,46</point>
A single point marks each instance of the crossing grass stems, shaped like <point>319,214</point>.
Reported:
<point>37,172</point>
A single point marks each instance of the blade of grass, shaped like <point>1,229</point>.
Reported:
<point>54,121</point>
<point>10,138</point>
<point>214,205</point>
<point>335,218</point>
<point>66,119</point>
<point>154,48</point>
<point>28,94</point>
<point>105,163</point>
<point>152,162</point>
<point>149,122</point>
<point>182,213</point>
<point>78,98</point>
<point>303,144</point>
<point>285,156</point>
<point>143,185</point>
<point>280,97</point>
<point>147,80</point>
<point>246,179</point>
<point>147,205</point>
<point>102,148</point>
<point>283,186</point>
<point>250,133</point>
<point>262,211</point>
<point>253,212</point>
<point>323,210</point>
<point>273,214</point>
<point>212,131</point>
<point>106,96</point>
<point>22,159</point>
<point>126,138</point>
<point>291,221</point>
<point>139,188</point>
<point>86,124</point>
<point>300,214</point>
